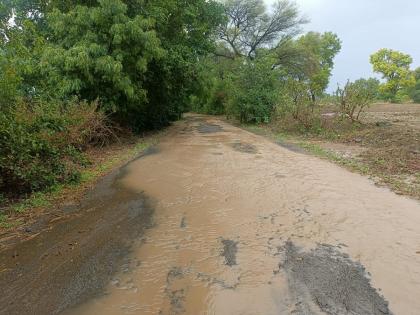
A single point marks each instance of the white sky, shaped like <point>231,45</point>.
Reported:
<point>364,26</point>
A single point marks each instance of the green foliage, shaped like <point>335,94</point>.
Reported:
<point>175,78</point>
<point>395,69</point>
<point>101,53</point>
<point>296,109</point>
<point>136,62</point>
<point>319,51</point>
<point>355,97</point>
<point>40,144</point>
<point>9,83</point>
<point>415,91</point>
<point>211,92</point>
<point>253,90</point>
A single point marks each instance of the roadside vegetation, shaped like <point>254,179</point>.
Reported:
<point>79,77</point>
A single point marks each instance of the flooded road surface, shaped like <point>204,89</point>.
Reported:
<point>243,226</point>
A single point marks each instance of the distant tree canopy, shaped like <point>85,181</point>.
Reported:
<point>249,26</point>
<point>394,66</point>
<point>260,58</point>
<point>319,51</point>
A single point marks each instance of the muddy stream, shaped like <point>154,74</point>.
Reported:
<point>243,226</point>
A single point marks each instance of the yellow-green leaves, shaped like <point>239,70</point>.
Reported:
<point>395,69</point>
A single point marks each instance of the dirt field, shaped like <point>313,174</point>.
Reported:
<point>217,220</point>
<point>407,115</point>
<point>386,146</point>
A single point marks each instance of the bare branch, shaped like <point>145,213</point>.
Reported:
<point>250,27</point>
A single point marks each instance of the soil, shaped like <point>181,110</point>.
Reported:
<point>71,260</point>
<point>334,283</point>
<point>198,227</point>
<point>230,248</point>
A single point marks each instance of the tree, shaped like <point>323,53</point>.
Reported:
<point>101,53</point>
<point>355,97</point>
<point>249,26</point>
<point>187,30</point>
<point>319,51</point>
<point>395,69</point>
<point>253,90</point>
<point>415,91</point>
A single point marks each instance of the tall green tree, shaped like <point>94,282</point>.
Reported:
<point>394,66</point>
<point>187,31</point>
<point>253,89</point>
<point>318,51</point>
<point>101,53</point>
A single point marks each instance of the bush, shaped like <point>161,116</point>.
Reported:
<point>296,109</point>
<point>355,97</point>
<point>415,91</point>
<point>41,144</point>
<point>217,100</point>
<point>9,82</point>
<point>415,95</point>
<point>253,91</point>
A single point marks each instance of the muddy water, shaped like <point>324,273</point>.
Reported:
<point>244,226</point>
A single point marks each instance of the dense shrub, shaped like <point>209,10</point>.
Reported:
<point>415,91</point>
<point>9,82</point>
<point>253,91</point>
<point>41,144</point>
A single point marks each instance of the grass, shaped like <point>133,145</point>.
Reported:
<point>12,215</point>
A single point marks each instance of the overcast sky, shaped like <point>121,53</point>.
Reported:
<point>364,26</point>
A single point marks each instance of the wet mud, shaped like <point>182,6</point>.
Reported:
<point>245,147</point>
<point>230,248</point>
<point>198,227</point>
<point>71,261</point>
<point>292,147</point>
<point>209,128</point>
<point>331,282</point>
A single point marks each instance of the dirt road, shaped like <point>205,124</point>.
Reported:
<point>236,225</point>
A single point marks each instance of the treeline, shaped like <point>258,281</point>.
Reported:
<point>264,69</point>
<point>74,72</point>
<point>70,71</point>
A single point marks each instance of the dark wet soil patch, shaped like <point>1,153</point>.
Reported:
<point>174,273</point>
<point>73,259</point>
<point>327,280</point>
<point>149,151</point>
<point>177,298</point>
<point>245,147</point>
<point>183,223</point>
<point>291,147</point>
<point>209,128</point>
<point>230,248</point>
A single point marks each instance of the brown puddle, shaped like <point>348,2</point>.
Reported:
<point>273,232</point>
